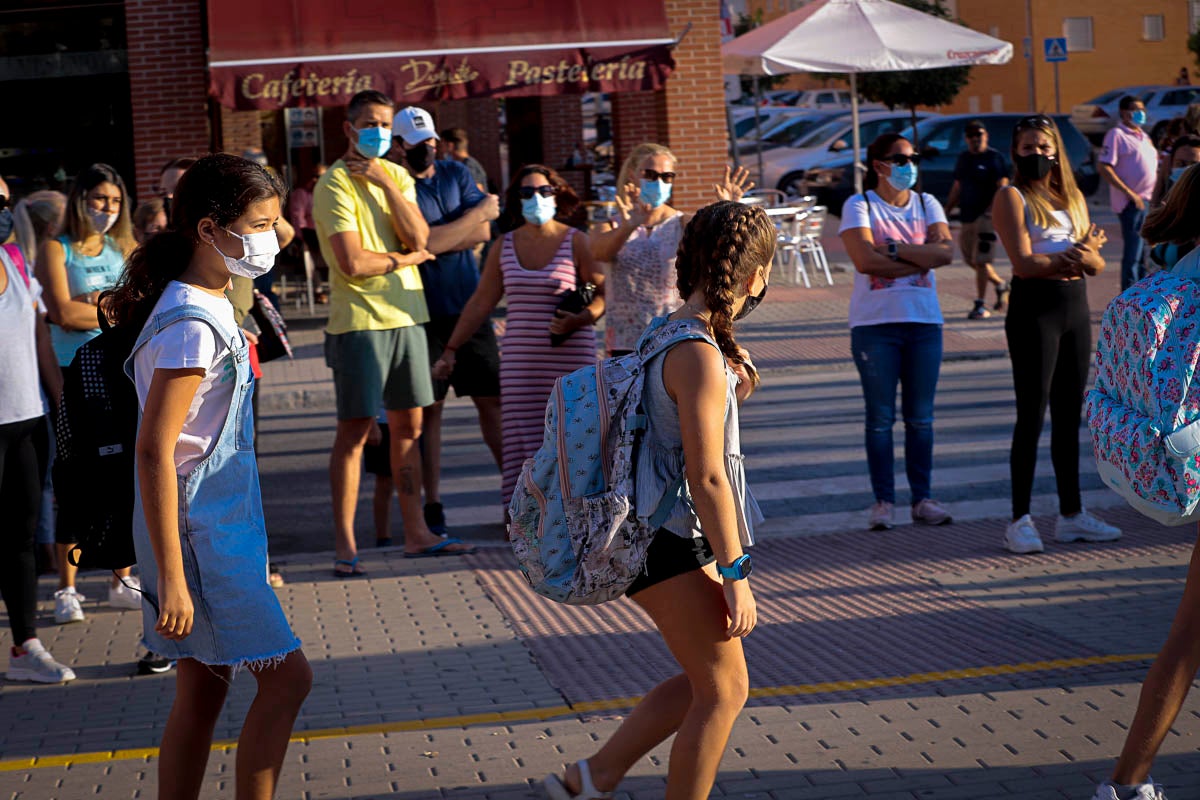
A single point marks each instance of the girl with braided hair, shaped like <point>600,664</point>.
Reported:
<point>897,238</point>
<point>695,585</point>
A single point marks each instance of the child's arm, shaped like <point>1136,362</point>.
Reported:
<point>167,403</point>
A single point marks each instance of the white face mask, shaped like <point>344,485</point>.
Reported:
<point>258,254</point>
<point>100,221</point>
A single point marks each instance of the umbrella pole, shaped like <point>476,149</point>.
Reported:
<point>758,127</point>
<point>857,139</point>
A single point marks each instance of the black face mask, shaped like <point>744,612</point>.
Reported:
<point>751,304</point>
<point>420,157</point>
<point>6,224</point>
<point>1034,167</point>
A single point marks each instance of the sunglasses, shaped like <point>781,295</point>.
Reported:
<point>975,134</point>
<point>545,190</point>
<point>1036,121</point>
<point>655,175</point>
<point>902,159</point>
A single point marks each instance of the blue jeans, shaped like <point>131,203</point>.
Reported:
<point>1131,239</point>
<point>908,354</point>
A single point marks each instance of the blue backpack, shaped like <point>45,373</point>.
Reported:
<point>575,531</point>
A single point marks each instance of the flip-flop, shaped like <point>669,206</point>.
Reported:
<point>355,570</point>
<point>439,549</point>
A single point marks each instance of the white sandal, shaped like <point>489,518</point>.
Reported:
<point>557,790</point>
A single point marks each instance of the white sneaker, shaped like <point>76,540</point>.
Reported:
<point>1145,791</point>
<point>879,518</point>
<point>1022,537</point>
<point>36,664</point>
<point>930,512</point>
<point>1083,527</point>
<point>67,606</point>
<point>126,597</point>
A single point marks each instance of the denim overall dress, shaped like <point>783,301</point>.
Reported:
<point>238,619</point>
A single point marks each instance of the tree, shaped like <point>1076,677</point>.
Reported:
<point>918,87</point>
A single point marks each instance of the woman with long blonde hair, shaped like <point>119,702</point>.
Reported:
<point>75,268</point>
<point>641,248</point>
<point>1042,220</point>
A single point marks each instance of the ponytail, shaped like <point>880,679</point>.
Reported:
<point>159,260</point>
<point>722,247</point>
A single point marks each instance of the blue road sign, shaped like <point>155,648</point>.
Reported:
<point>1055,49</point>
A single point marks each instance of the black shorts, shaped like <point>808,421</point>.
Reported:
<point>476,364</point>
<point>670,555</point>
<point>377,458</point>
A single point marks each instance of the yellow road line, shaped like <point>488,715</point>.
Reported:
<point>616,704</point>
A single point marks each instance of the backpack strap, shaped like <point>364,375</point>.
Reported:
<point>18,258</point>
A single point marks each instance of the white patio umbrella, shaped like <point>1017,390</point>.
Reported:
<point>855,36</point>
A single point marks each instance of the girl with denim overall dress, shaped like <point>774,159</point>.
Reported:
<point>198,520</point>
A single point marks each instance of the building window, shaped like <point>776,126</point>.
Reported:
<point>1152,27</point>
<point>1193,14</point>
<point>1078,31</point>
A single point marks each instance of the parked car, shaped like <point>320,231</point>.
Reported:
<point>940,142</point>
<point>743,119</point>
<point>784,168</point>
<point>787,129</point>
<point>1163,103</point>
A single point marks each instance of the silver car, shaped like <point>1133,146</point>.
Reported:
<point>1163,103</point>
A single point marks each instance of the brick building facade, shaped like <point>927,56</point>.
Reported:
<point>171,114</point>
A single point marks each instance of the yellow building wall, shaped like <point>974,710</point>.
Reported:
<point>1121,57</point>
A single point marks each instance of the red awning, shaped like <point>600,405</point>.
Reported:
<point>276,53</point>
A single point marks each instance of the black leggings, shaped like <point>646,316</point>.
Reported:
<point>1050,343</point>
<point>23,454</point>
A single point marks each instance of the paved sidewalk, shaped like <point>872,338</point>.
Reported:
<point>921,663</point>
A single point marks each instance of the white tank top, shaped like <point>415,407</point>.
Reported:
<point>1053,239</point>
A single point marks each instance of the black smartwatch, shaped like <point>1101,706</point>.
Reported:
<point>739,570</point>
<point>893,249</point>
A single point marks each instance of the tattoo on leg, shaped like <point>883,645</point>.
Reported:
<point>404,481</point>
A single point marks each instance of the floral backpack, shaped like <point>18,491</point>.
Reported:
<point>575,531</point>
<point>1144,410</point>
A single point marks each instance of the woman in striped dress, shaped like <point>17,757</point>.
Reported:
<point>538,261</point>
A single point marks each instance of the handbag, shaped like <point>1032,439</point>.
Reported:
<point>573,302</point>
<point>272,336</point>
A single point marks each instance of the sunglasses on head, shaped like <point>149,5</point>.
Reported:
<point>655,175</point>
<point>1036,121</point>
<point>545,190</point>
<point>902,159</point>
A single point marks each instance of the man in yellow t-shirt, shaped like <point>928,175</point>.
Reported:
<point>373,237</point>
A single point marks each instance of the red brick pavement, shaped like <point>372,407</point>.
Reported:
<point>842,607</point>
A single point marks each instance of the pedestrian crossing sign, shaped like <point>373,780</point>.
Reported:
<point>1055,49</point>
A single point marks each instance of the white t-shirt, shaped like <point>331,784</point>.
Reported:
<point>191,343</point>
<point>877,300</point>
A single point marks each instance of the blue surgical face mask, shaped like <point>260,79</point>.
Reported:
<point>903,177</point>
<point>373,142</point>
<point>655,193</point>
<point>539,210</point>
<point>1177,173</point>
<point>1138,117</point>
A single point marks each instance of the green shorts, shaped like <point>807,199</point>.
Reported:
<point>370,367</point>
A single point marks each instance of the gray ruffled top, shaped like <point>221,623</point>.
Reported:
<point>660,461</point>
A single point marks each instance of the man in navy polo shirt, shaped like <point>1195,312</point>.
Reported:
<point>458,214</point>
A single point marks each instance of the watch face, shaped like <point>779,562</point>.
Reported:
<point>747,566</point>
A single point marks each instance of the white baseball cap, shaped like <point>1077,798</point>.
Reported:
<point>414,125</point>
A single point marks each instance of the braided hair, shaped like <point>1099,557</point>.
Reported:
<point>723,245</point>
